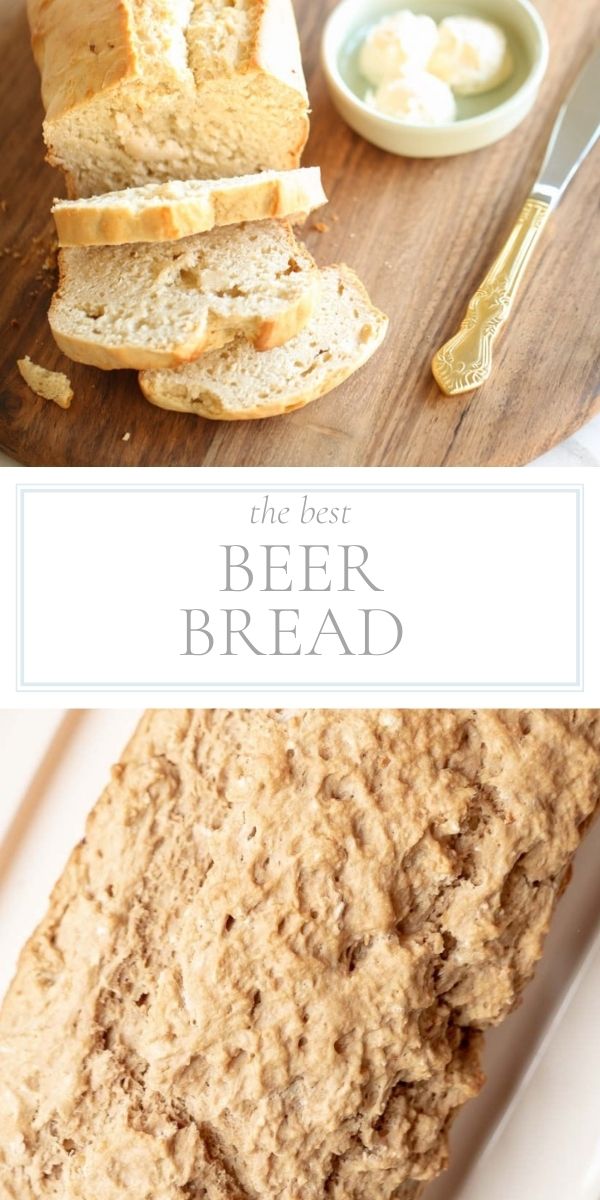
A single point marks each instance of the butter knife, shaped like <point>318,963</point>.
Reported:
<point>465,362</point>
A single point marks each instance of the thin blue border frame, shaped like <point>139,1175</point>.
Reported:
<point>22,490</point>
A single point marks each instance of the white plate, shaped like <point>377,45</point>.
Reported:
<point>534,1133</point>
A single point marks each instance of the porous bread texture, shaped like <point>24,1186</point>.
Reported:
<point>148,90</point>
<point>237,384</point>
<point>49,385</point>
<point>161,212</point>
<point>264,972</point>
<point>158,304</point>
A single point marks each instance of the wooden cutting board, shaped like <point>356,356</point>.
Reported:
<point>420,233</point>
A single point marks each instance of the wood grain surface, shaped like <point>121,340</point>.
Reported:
<point>420,233</point>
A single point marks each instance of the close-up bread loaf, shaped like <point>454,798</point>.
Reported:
<point>137,91</point>
<point>265,971</point>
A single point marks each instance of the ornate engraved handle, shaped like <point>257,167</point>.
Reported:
<point>465,362</point>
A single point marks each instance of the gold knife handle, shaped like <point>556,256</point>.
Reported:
<point>465,362</point>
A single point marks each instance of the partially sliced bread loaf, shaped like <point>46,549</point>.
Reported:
<point>160,304</point>
<point>162,89</point>
<point>238,384</point>
<point>162,212</point>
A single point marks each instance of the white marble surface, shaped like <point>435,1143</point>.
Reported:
<point>583,450</point>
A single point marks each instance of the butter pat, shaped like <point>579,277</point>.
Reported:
<point>402,41</point>
<point>416,97</point>
<point>471,55</point>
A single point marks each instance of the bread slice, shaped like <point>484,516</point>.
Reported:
<point>159,304</point>
<point>237,384</point>
<point>162,212</point>
<point>265,969</point>
<point>168,89</point>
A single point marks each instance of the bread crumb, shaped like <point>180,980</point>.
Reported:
<point>51,248</point>
<point>126,437</point>
<point>321,226</point>
<point>50,385</point>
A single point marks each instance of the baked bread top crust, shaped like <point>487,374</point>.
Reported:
<point>264,971</point>
<point>150,90</point>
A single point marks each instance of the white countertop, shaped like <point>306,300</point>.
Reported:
<point>583,450</point>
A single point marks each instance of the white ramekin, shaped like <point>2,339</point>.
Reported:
<point>460,136</point>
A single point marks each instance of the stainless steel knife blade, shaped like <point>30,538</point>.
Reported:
<point>575,132</point>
